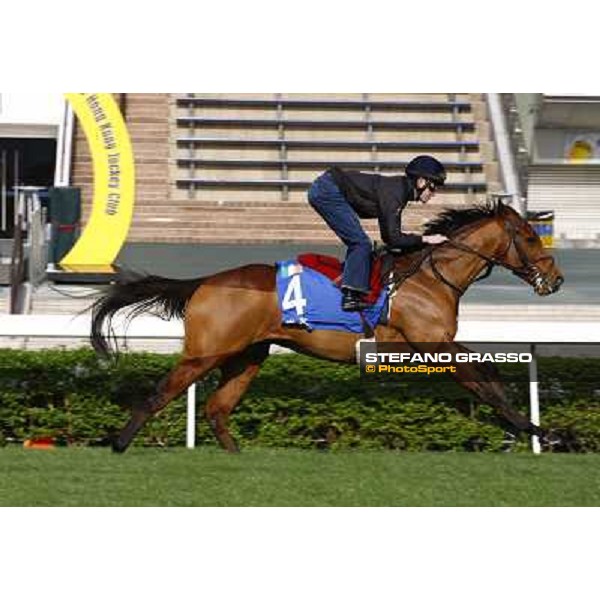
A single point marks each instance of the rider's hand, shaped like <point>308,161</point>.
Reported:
<point>435,240</point>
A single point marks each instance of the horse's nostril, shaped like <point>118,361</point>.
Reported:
<point>559,281</point>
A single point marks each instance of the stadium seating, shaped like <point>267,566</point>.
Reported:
<point>234,168</point>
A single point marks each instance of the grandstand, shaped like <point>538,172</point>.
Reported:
<point>221,179</point>
<point>222,169</point>
<point>565,166</point>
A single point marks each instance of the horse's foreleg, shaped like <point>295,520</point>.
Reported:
<point>180,378</point>
<point>492,394</point>
<point>484,382</point>
<point>236,375</point>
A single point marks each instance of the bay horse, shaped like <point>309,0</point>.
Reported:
<point>232,318</point>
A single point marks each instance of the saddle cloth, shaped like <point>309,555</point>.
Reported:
<point>333,268</point>
<point>310,299</point>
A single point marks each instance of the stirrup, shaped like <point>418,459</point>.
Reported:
<point>354,305</point>
<point>353,301</point>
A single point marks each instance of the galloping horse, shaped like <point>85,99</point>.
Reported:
<point>232,318</point>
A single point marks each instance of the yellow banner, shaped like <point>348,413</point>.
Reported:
<point>114,180</point>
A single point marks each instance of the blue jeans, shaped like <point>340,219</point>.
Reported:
<point>327,199</point>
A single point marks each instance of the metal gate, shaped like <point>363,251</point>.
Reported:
<point>37,246</point>
<point>10,167</point>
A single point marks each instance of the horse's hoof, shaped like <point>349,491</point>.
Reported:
<point>230,447</point>
<point>551,439</point>
<point>118,447</point>
<point>509,442</point>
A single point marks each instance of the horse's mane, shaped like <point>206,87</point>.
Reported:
<point>452,219</point>
<point>447,223</point>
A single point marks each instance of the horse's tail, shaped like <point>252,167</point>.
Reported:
<point>167,298</point>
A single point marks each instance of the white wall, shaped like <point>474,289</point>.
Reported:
<point>34,109</point>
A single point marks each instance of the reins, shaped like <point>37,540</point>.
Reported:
<point>491,261</point>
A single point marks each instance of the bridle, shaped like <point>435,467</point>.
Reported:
<point>528,270</point>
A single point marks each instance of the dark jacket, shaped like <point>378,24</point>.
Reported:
<point>379,197</point>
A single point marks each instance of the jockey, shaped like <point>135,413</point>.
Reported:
<point>343,197</point>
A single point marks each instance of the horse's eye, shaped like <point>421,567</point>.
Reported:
<point>531,240</point>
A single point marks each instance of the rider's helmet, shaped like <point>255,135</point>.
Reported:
<point>428,167</point>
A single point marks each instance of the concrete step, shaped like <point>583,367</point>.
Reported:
<point>5,270</point>
<point>191,210</point>
<point>62,299</point>
<point>4,299</point>
<point>266,200</point>
<point>287,233</point>
<point>275,216</point>
<point>252,222</point>
<point>529,312</point>
<point>276,211</point>
<point>230,236</point>
<point>246,230</point>
<point>260,214</point>
<point>274,222</point>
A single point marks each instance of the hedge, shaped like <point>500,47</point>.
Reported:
<point>76,398</point>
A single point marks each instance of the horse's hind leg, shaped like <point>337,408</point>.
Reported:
<point>187,371</point>
<point>236,375</point>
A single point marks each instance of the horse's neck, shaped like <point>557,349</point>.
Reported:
<point>463,267</point>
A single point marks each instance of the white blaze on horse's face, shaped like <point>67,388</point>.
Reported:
<point>537,266</point>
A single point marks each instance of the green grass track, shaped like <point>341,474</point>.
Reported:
<point>208,477</point>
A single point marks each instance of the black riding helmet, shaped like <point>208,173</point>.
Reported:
<point>428,167</point>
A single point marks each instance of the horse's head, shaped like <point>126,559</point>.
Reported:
<point>498,235</point>
<point>525,255</point>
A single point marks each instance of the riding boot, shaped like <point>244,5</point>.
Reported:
<point>353,300</point>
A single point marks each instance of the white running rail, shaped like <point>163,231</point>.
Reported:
<point>153,328</point>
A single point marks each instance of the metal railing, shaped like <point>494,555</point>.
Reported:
<point>197,138</point>
<point>30,248</point>
<point>17,268</point>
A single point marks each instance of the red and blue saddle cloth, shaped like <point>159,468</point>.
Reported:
<point>310,296</point>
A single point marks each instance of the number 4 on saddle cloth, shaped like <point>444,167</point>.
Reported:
<point>309,295</point>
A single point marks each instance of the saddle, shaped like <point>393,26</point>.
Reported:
<point>333,268</point>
